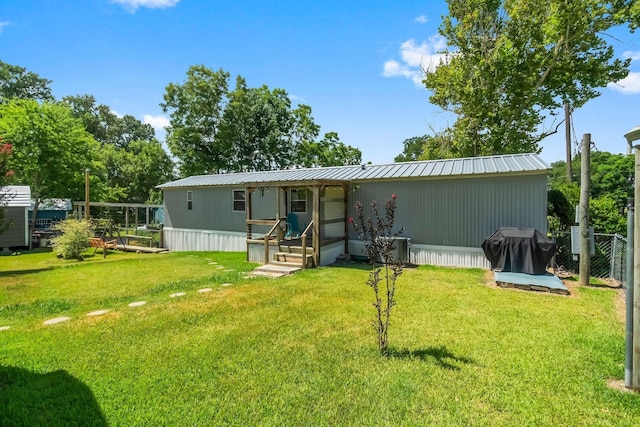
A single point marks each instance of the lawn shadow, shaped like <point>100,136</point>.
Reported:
<point>23,272</point>
<point>54,398</point>
<point>441,355</point>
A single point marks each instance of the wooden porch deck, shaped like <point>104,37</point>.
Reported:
<point>143,249</point>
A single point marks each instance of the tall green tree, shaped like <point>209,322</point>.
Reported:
<point>105,125</point>
<point>18,83</point>
<point>50,149</point>
<point>611,186</point>
<point>512,63</point>
<point>135,162</point>
<point>256,126</point>
<point>195,109</point>
<point>214,130</point>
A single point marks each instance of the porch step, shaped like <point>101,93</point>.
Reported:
<point>274,270</point>
<point>293,258</point>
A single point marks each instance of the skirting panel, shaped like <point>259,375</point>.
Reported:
<point>444,256</point>
<point>182,240</point>
<point>448,256</point>
<point>329,253</point>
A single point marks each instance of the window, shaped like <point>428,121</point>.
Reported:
<point>239,201</point>
<point>299,200</point>
<point>189,200</point>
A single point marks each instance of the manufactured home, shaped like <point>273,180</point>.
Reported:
<point>447,208</point>
<point>16,200</point>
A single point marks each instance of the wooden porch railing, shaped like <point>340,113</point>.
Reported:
<point>267,237</point>
<point>304,245</point>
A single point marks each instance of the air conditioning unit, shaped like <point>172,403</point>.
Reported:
<point>400,250</point>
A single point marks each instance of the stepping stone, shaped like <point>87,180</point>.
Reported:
<point>213,263</point>
<point>178,294</point>
<point>137,303</point>
<point>228,270</point>
<point>4,328</point>
<point>98,313</point>
<point>56,320</point>
<point>219,267</point>
<point>227,284</point>
<point>205,290</point>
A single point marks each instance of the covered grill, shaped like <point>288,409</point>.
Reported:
<point>518,250</point>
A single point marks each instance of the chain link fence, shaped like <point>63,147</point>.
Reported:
<point>609,261</point>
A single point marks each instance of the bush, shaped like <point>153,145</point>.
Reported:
<point>378,235</point>
<point>74,239</point>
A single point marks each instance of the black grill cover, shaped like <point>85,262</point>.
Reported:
<point>520,250</point>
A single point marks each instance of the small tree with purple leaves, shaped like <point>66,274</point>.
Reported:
<point>378,236</point>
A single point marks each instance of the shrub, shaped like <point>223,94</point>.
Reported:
<point>74,238</point>
<point>378,235</point>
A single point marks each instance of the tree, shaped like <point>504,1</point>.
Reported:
<point>255,126</point>
<point>611,186</point>
<point>427,147</point>
<point>195,108</point>
<point>514,62</point>
<point>247,129</point>
<point>413,149</point>
<point>135,162</point>
<point>106,126</point>
<point>5,174</point>
<point>18,83</point>
<point>50,149</point>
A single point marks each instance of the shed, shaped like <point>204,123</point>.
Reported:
<point>16,200</point>
<point>448,207</point>
<point>50,212</point>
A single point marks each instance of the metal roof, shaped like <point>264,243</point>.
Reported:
<point>510,163</point>
<point>14,196</point>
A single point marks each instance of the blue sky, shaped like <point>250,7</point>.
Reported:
<point>355,63</point>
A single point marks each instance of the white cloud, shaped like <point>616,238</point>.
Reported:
<point>630,54</point>
<point>133,5</point>
<point>416,59</point>
<point>156,122</point>
<point>296,98</point>
<point>3,24</point>
<point>630,85</point>
<point>421,19</point>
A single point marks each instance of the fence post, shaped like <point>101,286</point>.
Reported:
<point>614,253</point>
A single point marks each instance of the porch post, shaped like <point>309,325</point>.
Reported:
<point>248,199</point>
<point>316,223</point>
<point>345,188</point>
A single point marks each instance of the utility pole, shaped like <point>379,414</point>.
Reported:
<point>585,244</point>
<point>86,194</point>
<point>567,135</point>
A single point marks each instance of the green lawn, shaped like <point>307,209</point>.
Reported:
<point>298,350</point>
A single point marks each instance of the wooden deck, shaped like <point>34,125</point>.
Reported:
<point>144,249</point>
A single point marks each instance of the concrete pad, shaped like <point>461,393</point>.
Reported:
<point>137,304</point>
<point>98,313</point>
<point>4,328</point>
<point>205,290</point>
<point>178,294</point>
<point>537,282</point>
<point>56,320</point>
